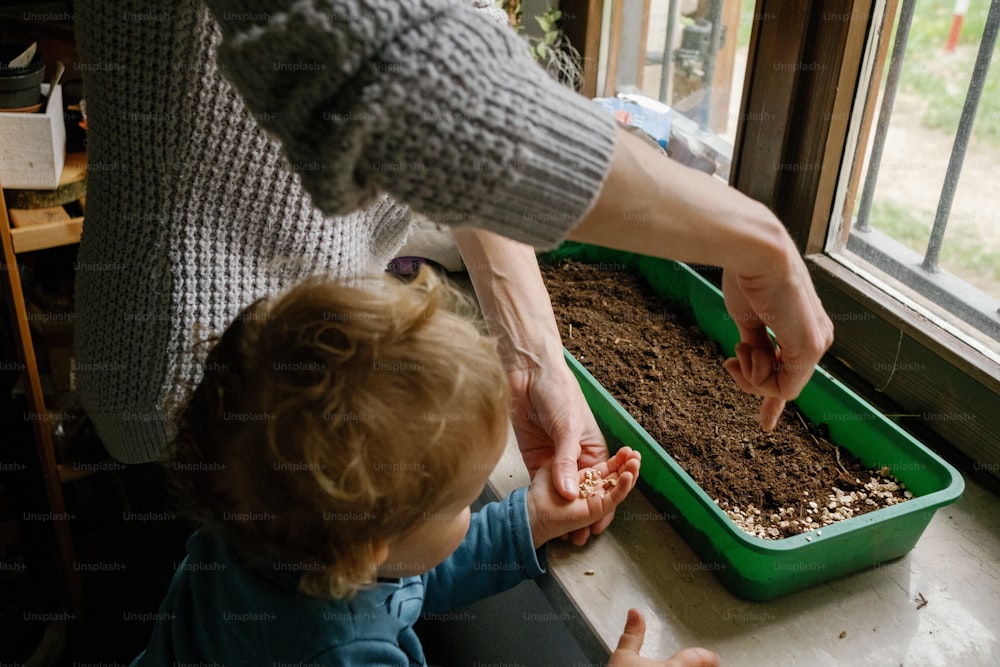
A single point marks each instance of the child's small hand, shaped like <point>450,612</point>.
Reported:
<point>627,653</point>
<point>552,515</point>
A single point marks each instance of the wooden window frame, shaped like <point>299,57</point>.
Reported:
<point>581,23</point>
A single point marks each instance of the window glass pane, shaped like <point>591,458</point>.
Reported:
<point>698,71</point>
<point>925,216</point>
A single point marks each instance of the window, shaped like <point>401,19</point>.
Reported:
<point>913,217</point>
<point>925,220</point>
<point>690,55</point>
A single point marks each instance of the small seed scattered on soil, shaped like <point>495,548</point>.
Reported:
<point>879,492</point>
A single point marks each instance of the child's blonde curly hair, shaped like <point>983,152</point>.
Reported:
<point>333,417</point>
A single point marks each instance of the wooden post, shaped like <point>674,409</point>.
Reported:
<point>581,23</point>
<point>725,60</point>
<point>961,6</point>
<point>41,424</point>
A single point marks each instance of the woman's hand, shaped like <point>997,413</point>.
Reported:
<point>553,423</point>
<point>783,299</point>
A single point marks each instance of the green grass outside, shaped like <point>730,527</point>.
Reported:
<point>942,79</point>
<point>963,254</point>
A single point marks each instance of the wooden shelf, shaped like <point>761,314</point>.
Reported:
<point>49,235</point>
<point>40,231</point>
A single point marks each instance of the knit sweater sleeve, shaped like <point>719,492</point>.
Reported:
<point>424,100</point>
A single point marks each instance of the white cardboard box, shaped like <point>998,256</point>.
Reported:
<point>33,146</point>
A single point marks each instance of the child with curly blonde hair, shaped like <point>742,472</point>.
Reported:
<point>332,452</point>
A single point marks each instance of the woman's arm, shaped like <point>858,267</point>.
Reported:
<point>658,207</point>
<point>425,100</point>
<point>551,418</point>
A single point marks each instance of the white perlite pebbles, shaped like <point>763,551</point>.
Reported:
<point>880,491</point>
<point>592,482</point>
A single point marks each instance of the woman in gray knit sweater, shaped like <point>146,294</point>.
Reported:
<point>237,147</point>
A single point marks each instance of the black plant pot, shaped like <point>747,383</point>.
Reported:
<point>20,87</point>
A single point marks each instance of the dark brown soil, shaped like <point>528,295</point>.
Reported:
<point>669,376</point>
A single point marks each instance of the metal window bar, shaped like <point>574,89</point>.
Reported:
<point>979,72</point>
<point>885,113</point>
<point>667,70</point>
<point>974,307</point>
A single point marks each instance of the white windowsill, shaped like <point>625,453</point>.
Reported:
<point>642,562</point>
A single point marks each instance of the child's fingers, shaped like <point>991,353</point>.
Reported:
<point>630,643</point>
<point>626,474</point>
<point>631,467</point>
<point>616,477</point>
<point>579,536</point>
<point>693,657</point>
<point>621,458</point>
<point>617,493</point>
<point>634,632</point>
<point>613,484</point>
<point>601,505</point>
<point>619,482</point>
<point>602,524</point>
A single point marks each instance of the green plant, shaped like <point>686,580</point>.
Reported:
<point>552,50</point>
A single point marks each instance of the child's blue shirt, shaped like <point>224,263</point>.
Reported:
<point>220,612</point>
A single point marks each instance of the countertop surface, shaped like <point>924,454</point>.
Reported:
<point>937,605</point>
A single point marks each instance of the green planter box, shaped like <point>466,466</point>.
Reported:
<point>749,566</point>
